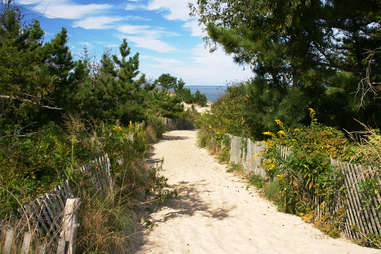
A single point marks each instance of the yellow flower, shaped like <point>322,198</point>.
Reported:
<point>312,112</point>
<point>130,124</point>
<point>255,155</point>
<point>280,176</point>
<point>279,122</point>
<point>282,133</point>
<point>272,166</point>
<point>117,128</point>
<point>294,140</point>
<point>296,129</point>
<point>268,133</point>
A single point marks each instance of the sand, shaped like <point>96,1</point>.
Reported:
<point>216,213</point>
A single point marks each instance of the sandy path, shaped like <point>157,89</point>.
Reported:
<point>215,213</point>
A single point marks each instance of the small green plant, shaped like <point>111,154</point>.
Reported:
<point>256,180</point>
<point>272,192</point>
<point>234,168</point>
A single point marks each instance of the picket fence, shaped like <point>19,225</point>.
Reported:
<point>48,224</point>
<point>360,219</point>
<point>362,214</point>
<point>178,124</point>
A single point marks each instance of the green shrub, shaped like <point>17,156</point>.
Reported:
<point>256,180</point>
<point>271,191</point>
<point>306,172</point>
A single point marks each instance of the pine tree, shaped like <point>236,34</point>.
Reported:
<point>315,49</point>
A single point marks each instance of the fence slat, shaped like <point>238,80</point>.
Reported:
<point>353,220</point>
<point>38,216</point>
<point>30,218</point>
<point>51,217</point>
<point>371,219</point>
<point>42,249</point>
<point>362,214</point>
<point>355,208</point>
<point>69,226</point>
<point>51,205</point>
<point>45,217</point>
<point>58,197</point>
<point>26,243</point>
<point>9,241</point>
<point>349,219</point>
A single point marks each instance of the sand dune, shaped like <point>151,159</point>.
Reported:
<point>216,213</point>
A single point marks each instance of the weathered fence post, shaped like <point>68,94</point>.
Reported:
<point>9,241</point>
<point>66,244</point>
<point>26,243</point>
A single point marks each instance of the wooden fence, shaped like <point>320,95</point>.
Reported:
<point>178,124</point>
<point>362,214</point>
<point>99,172</point>
<point>48,224</point>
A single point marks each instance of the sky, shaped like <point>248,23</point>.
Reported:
<point>167,38</point>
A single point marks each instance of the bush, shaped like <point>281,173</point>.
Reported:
<point>256,180</point>
<point>271,191</point>
<point>306,172</point>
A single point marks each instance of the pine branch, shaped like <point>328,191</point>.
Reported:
<point>29,101</point>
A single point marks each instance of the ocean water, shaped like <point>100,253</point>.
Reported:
<point>212,92</point>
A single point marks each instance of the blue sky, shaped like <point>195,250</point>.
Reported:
<point>167,38</point>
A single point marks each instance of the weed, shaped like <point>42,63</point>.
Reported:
<point>256,180</point>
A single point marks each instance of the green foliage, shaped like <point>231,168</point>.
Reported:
<point>24,62</point>
<point>200,99</point>
<point>306,173</point>
<point>114,92</point>
<point>57,114</point>
<point>170,83</point>
<point>272,192</point>
<point>304,54</point>
<point>256,180</point>
<point>109,220</point>
<point>234,168</point>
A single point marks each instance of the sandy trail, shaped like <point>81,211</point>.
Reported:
<point>216,213</point>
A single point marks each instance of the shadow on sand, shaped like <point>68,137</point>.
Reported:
<point>189,201</point>
<point>170,138</point>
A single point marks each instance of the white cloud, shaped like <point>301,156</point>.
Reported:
<point>173,9</point>
<point>196,29</point>
<point>132,29</point>
<point>162,62</point>
<point>131,7</point>
<point>137,18</point>
<point>151,43</point>
<point>177,9</point>
<point>203,68</point>
<point>145,30</point>
<point>28,1</point>
<point>64,9</point>
<point>146,37</point>
<point>100,22</point>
